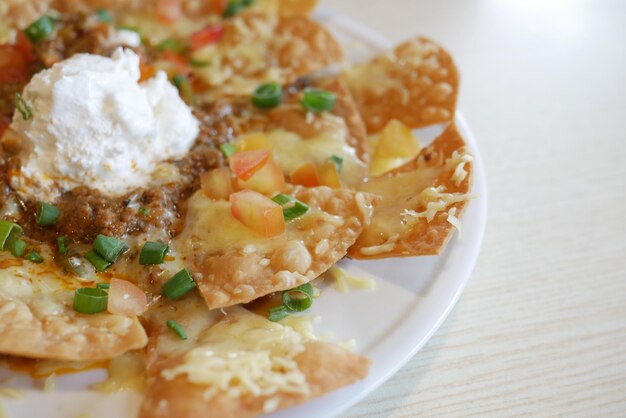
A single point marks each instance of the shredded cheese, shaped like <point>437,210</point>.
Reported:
<point>245,354</point>
<point>345,281</point>
<point>457,162</point>
<point>435,201</point>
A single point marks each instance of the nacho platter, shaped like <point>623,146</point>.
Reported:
<point>366,348</point>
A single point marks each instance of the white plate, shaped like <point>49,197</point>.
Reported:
<point>412,298</point>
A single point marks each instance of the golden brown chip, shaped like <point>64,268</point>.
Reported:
<point>37,319</point>
<point>235,265</point>
<point>421,202</point>
<point>417,83</point>
<point>307,368</point>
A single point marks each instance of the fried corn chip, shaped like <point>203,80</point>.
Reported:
<point>37,319</point>
<point>421,202</point>
<point>235,265</point>
<point>417,83</point>
<point>231,364</point>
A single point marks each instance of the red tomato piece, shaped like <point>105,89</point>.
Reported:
<point>269,180</point>
<point>258,213</point>
<point>206,36</point>
<point>306,175</point>
<point>13,65</point>
<point>245,163</point>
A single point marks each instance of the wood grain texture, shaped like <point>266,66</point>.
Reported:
<point>541,328</point>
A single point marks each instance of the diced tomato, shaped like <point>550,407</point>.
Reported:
<point>254,142</point>
<point>219,6</point>
<point>25,46</point>
<point>258,213</point>
<point>217,183</point>
<point>168,11</point>
<point>306,175</point>
<point>126,299</point>
<point>13,65</point>
<point>147,71</point>
<point>178,60</point>
<point>396,140</point>
<point>209,35</point>
<point>245,163</point>
<point>329,175</point>
<point>269,180</point>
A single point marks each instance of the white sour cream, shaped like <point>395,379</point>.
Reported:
<point>95,125</point>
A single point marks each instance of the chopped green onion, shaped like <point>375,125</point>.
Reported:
<point>178,285</point>
<point>109,248</point>
<point>97,261</point>
<point>228,149</point>
<point>297,210</point>
<point>18,247</point>
<point>8,230</point>
<point>104,16</point>
<point>103,286</point>
<point>62,245</point>
<point>143,211</point>
<point>177,328</point>
<point>90,300</point>
<point>23,107</point>
<point>172,45</point>
<point>247,3</point>
<point>338,162</point>
<point>184,88</point>
<point>40,29</point>
<point>317,100</point>
<point>267,96</point>
<point>46,214</point>
<point>233,7</point>
<point>298,299</point>
<point>199,63</point>
<point>34,257</point>
<point>152,253</point>
<point>283,199</point>
<point>277,313</point>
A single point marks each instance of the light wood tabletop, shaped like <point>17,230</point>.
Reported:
<point>541,327</point>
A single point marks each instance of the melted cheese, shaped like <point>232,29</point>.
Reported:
<point>127,371</point>
<point>435,200</point>
<point>345,281</point>
<point>245,354</point>
<point>290,151</point>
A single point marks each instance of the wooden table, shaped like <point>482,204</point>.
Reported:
<point>541,327</point>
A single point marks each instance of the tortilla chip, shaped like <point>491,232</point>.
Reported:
<point>404,224</point>
<point>37,319</point>
<point>417,83</point>
<point>323,366</point>
<point>235,265</point>
<point>258,48</point>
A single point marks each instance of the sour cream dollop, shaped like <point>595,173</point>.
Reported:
<point>95,125</point>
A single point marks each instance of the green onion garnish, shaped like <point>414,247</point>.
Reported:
<point>317,100</point>
<point>143,211</point>
<point>46,214</point>
<point>178,285</point>
<point>97,261</point>
<point>338,161</point>
<point>177,328</point>
<point>172,45</point>
<point>8,230</point>
<point>18,247</point>
<point>23,107</point>
<point>104,16</point>
<point>298,299</point>
<point>292,207</point>
<point>103,286</point>
<point>277,313</point>
<point>267,96</point>
<point>247,3</point>
<point>34,257</point>
<point>228,149</point>
<point>233,7</point>
<point>39,29</point>
<point>62,245</point>
<point>109,248</point>
<point>283,199</point>
<point>152,253</point>
<point>199,63</point>
<point>184,88</point>
<point>90,300</point>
